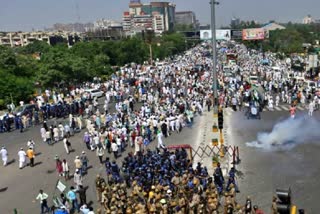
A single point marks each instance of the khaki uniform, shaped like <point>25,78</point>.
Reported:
<point>99,183</point>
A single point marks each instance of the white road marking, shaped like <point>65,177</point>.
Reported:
<point>286,108</point>
<point>278,108</point>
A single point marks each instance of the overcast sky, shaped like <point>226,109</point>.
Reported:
<point>37,14</point>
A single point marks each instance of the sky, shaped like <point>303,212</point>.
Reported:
<point>26,15</point>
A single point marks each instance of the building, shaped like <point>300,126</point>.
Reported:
<point>106,24</point>
<point>273,26</point>
<point>143,21</point>
<point>160,16</point>
<point>234,22</point>
<point>158,23</point>
<point>14,39</point>
<point>164,8</point>
<point>72,27</point>
<point>307,20</point>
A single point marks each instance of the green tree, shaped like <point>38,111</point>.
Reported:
<point>7,58</point>
<point>35,47</point>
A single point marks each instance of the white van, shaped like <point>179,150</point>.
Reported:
<point>94,92</point>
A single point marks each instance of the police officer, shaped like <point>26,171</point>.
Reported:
<point>99,183</point>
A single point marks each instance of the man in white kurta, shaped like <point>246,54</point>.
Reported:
<point>22,158</point>
<point>160,143</point>
<point>4,155</point>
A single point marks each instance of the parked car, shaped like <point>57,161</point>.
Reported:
<point>25,109</point>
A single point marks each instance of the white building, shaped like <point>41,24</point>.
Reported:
<point>14,39</point>
<point>273,26</point>
<point>158,23</point>
<point>307,20</point>
<point>105,24</point>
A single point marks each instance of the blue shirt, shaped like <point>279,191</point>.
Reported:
<point>59,211</point>
<point>72,195</point>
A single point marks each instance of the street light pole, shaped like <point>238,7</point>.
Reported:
<point>214,56</point>
<point>151,57</point>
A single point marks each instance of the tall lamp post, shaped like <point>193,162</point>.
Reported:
<point>149,39</point>
<point>214,56</point>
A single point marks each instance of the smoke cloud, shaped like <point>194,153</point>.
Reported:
<point>288,133</point>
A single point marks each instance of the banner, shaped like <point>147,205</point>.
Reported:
<point>205,34</point>
<point>60,186</point>
<point>220,34</point>
<point>236,34</point>
<point>253,34</point>
<point>223,35</point>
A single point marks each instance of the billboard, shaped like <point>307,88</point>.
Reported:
<point>205,34</point>
<point>220,34</point>
<point>253,34</point>
<point>236,34</point>
<point>223,35</point>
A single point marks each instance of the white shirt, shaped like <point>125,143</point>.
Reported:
<point>22,155</point>
<point>114,147</point>
<point>65,167</point>
<point>4,153</point>
<point>42,197</point>
<point>96,140</point>
<point>31,144</point>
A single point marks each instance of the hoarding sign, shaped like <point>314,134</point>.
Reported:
<point>253,34</point>
<point>220,34</point>
<point>236,34</point>
<point>205,34</point>
<point>223,35</point>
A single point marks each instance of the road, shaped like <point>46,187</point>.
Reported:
<point>260,172</point>
<point>20,187</point>
<point>263,171</point>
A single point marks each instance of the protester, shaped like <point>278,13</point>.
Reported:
<point>65,169</point>
<point>4,155</point>
<point>22,158</point>
<point>42,197</point>
<point>31,156</point>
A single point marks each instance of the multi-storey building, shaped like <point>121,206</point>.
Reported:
<point>160,16</point>
<point>24,38</point>
<point>158,22</point>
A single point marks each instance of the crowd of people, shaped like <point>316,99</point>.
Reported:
<point>275,83</point>
<point>157,103</point>
<point>145,104</point>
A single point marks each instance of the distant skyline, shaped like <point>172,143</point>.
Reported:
<point>26,15</point>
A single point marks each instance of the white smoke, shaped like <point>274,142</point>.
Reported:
<point>288,133</point>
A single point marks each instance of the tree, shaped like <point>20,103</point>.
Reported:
<point>101,64</point>
<point>36,47</point>
<point>7,59</point>
<point>20,70</point>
